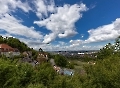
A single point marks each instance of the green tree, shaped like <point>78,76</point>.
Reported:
<point>62,82</point>
<point>1,39</point>
<point>60,60</point>
<point>104,74</point>
<point>36,86</point>
<point>117,44</point>
<point>14,75</point>
<point>106,51</point>
<point>44,74</point>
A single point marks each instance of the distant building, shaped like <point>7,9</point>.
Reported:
<point>42,57</point>
<point>8,51</point>
<point>27,58</point>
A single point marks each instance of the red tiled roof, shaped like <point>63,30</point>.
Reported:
<point>6,48</point>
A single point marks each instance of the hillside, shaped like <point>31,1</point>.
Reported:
<point>103,73</point>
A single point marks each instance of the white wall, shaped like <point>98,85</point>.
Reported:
<point>8,54</point>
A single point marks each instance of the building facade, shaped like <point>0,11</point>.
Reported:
<point>8,51</point>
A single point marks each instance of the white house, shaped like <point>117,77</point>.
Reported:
<point>8,51</point>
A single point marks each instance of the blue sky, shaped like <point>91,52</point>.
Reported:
<point>61,24</point>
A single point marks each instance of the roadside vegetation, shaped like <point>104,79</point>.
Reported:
<point>101,72</point>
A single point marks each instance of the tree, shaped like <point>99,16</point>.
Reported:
<point>36,86</point>
<point>1,39</point>
<point>117,44</point>
<point>44,74</point>
<point>104,74</point>
<point>106,51</point>
<point>60,60</point>
<point>14,75</point>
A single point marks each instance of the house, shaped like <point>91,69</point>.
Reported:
<point>56,68</point>
<point>63,71</point>
<point>42,57</point>
<point>8,51</point>
<point>27,58</point>
<point>27,54</point>
<point>68,72</point>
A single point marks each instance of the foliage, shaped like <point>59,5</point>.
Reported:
<point>105,73</point>
<point>36,86</point>
<point>70,65</point>
<point>61,82</point>
<point>15,43</point>
<point>106,51</point>
<point>109,49</point>
<point>34,53</point>
<point>117,44</point>
<point>44,74</point>
<point>14,75</point>
<point>50,55</point>
<point>60,60</point>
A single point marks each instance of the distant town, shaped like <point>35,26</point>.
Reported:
<point>80,53</point>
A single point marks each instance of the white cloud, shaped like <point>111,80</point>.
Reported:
<point>36,44</point>
<point>24,6</point>
<point>88,47</point>
<point>5,35</point>
<point>49,38</point>
<point>33,43</point>
<point>75,43</point>
<point>14,26</point>
<point>43,7</point>
<point>102,33</point>
<point>105,32</point>
<point>75,47</point>
<point>62,22</point>
<point>59,20</point>
<point>61,46</point>
<point>6,6</point>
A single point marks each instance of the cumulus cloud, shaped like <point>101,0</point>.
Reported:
<point>60,46</point>
<point>50,37</point>
<point>36,44</point>
<point>105,32</point>
<point>102,33</point>
<point>75,43</point>
<point>88,47</point>
<point>13,26</point>
<point>33,43</point>
<point>62,22</point>
<point>6,6</point>
<point>43,7</point>
<point>59,20</point>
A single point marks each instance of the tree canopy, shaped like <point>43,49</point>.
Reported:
<point>15,43</point>
<point>60,60</point>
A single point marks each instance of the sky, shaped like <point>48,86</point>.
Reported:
<point>61,25</point>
